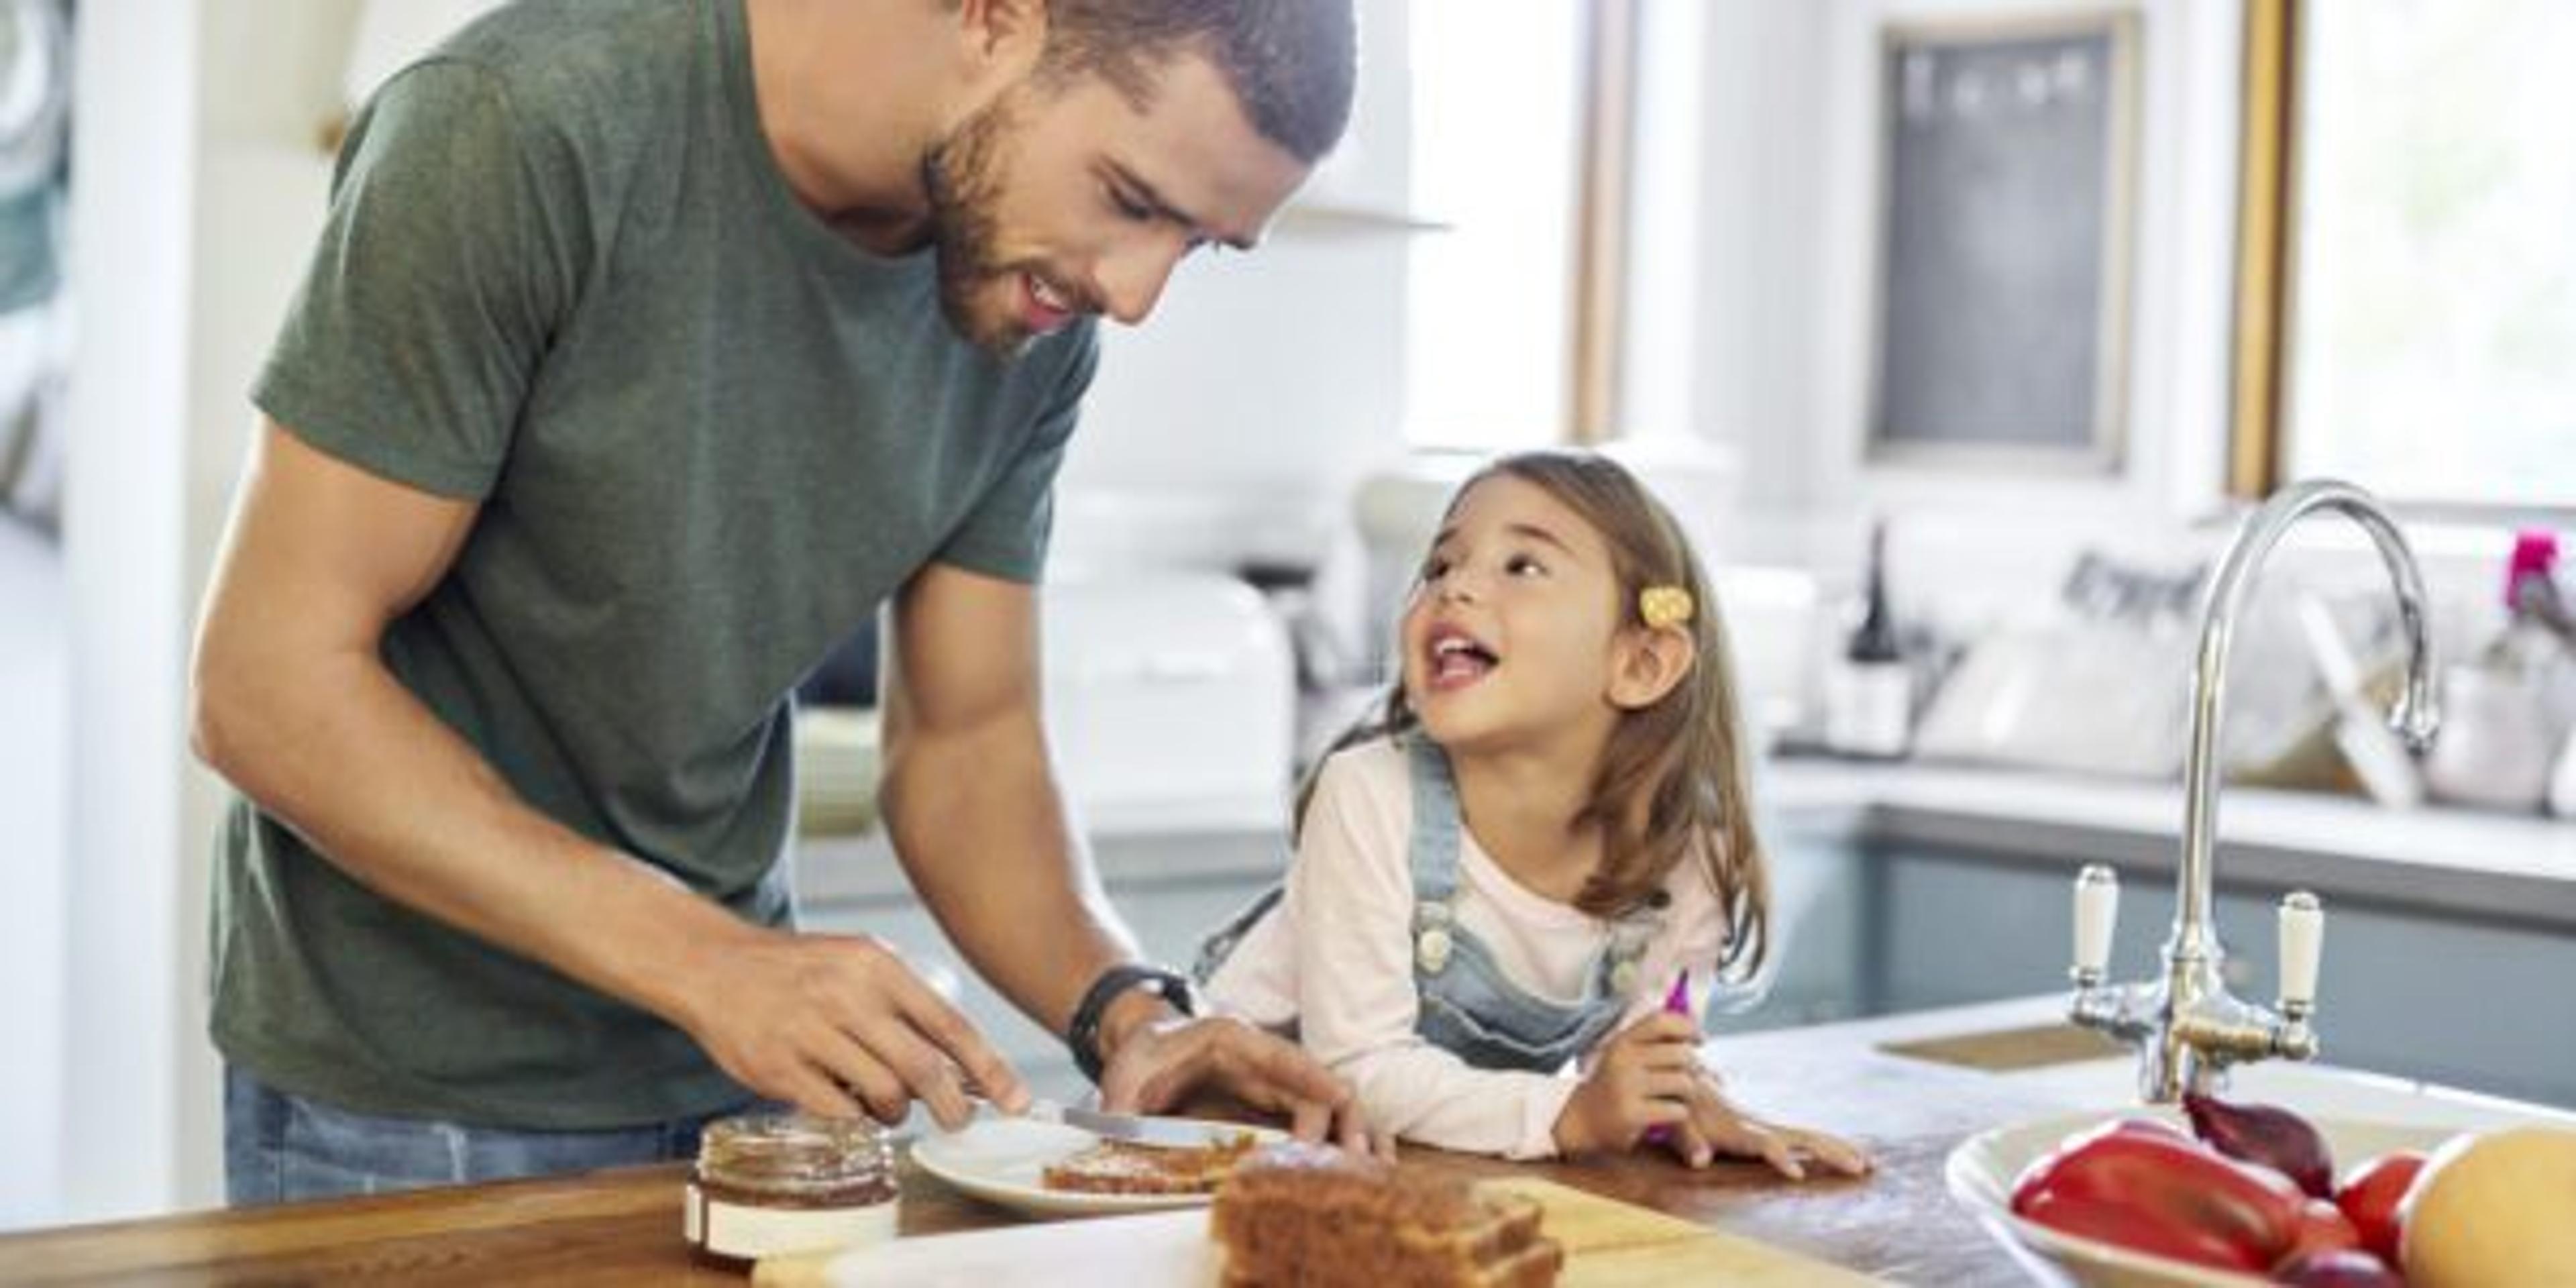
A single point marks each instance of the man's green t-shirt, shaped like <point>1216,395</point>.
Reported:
<point>563,277</point>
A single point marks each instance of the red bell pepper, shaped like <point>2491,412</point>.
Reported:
<point>2145,1187</point>
<point>2371,1193</point>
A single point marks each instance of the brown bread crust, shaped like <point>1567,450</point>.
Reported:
<point>1307,1214</point>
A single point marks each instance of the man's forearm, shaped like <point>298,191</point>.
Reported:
<point>347,757</point>
<point>982,831</point>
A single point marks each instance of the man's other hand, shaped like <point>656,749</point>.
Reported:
<point>1160,1064</point>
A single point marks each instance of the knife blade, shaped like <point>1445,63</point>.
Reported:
<point>1158,1133</point>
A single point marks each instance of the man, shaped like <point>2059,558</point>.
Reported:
<point>649,345</point>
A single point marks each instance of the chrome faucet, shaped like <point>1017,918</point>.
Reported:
<point>2187,1027</point>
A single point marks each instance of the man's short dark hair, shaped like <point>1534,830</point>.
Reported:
<point>1291,62</point>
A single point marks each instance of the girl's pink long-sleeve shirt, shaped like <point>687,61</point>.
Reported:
<point>1337,958</point>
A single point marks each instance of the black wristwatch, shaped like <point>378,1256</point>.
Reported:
<point>1083,1036</point>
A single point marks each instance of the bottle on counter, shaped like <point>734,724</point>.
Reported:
<point>2540,642</point>
<point>2509,712</point>
<point>1869,692</point>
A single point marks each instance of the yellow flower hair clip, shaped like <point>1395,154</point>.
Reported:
<point>1663,606</point>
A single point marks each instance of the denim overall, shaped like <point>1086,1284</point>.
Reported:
<point>1468,1005</point>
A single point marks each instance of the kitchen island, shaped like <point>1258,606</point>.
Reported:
<point>1909,1087</point>
<point>623,1226</point>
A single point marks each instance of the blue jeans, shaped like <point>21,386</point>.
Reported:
<point>280,1147</point>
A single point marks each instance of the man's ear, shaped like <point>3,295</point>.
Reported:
<point>1003,36</point>
<point>1647,662</point>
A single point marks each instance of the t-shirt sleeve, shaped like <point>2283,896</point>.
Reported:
<point>1005,535</point>
<point>451,251</point>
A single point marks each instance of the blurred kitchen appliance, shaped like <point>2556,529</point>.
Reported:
<point>2187,1027</point>
<point>1171,702</point>
<point>2061,690</point>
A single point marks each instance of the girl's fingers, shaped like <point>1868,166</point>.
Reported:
<point>1666,1057</point>
<point>1838,1154</point>
<point>1659,1027</point>
<point>1773,1148</point>
<point>1675,1085</point>
<point>1692,1144</point>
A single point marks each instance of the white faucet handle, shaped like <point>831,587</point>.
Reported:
<point>2303,933</point>
<point>2097,909</point>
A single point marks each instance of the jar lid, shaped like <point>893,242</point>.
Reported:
<point>794,1154</point>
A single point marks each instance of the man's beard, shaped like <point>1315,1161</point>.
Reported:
<point>961,174</point>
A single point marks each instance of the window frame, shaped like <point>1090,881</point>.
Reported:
<point>1605,183</point>
<point>2266,287</point>
<point>2266,203</point>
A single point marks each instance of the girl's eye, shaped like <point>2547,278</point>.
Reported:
<point>1524,566</point>
<point>1129,206</point>
<point>1434,568</point>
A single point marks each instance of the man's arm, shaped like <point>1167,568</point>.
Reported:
<point>294,705</point>
<point>981,828</point>
<point>971,799</point>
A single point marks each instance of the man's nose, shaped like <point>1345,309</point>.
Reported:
<point>1132,280</point>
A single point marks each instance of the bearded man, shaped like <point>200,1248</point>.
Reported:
<point>650,345</point>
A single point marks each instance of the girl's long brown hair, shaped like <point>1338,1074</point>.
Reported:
<point>1674,777</point>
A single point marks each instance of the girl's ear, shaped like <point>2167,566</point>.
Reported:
<point>1646,663</point>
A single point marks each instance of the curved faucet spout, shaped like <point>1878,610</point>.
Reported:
<point>2187,1026</point>
<point>2417,714</point>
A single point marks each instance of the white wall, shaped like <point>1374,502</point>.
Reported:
<point>134,126</point>
<point>198,189</point>
<point>34,791</point>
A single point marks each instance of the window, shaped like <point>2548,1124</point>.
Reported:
<point>1515,149</point>
<point>2424,278</point>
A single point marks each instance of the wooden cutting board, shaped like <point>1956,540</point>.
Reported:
<point>1607,1244</point>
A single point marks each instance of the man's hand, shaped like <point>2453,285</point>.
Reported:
<point>1161,1062</point>
<point>1640,1078</point>
<point>838,1023</point>
<point>1716,1128</point>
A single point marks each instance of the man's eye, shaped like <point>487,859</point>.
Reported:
<point>1129,206</point>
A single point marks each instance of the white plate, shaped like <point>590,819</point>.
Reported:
<point>1982,1169</point>
<point>1003,1160</point>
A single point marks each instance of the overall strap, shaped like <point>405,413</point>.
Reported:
<point>1432,854</point>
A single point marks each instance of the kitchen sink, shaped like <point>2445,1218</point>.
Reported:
<point>2312,1089</point>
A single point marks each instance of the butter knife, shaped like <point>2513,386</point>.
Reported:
<point>1159,1133</point>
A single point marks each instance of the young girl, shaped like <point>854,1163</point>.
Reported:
<point>1546,827</point>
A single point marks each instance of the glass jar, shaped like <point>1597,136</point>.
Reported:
<point>773,1184</point>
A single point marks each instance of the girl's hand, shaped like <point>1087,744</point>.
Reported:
<point>1716,1128</point>
<point>1642,1077</point>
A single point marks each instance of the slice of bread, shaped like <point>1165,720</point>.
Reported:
<point>1120,1167</point>
<point>1311,1214</point>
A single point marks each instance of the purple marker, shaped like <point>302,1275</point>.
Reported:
<point>1676,1002</point>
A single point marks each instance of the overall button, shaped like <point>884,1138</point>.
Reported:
<point>1431,949</point>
